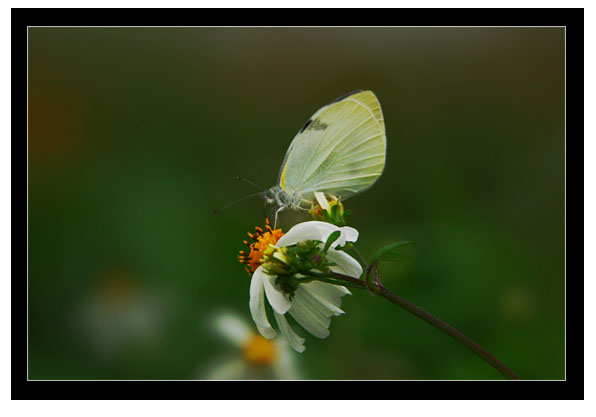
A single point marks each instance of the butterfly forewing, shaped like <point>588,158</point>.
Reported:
<point>340,150</point>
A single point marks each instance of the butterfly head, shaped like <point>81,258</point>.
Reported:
<point>270,195</point>
<point>278,197</point>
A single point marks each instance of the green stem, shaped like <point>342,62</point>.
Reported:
<point>378,288</point>
<point>333,278</point>
<point>449,330</point>
<point>360,257</point>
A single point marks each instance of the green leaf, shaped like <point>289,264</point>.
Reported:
<point>332,238</point>
<point>387,248</point>
<point>396,256</point>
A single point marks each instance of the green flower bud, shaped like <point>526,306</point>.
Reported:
<point>276,262</point>
<point>330,211</point>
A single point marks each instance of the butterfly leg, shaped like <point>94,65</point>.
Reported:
<point>307,204</point>
<point>276,213</point>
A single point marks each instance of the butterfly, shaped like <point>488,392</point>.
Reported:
<point>339,151</point>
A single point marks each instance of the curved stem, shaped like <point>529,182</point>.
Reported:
<point>446,328</point>
<point>376,287</point>
<point>360,257</point>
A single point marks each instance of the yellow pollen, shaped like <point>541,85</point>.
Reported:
<point>259,350</point>
<point>262,239</point>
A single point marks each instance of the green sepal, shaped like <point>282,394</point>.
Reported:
<point>334,209</point>
<point>288,284</point>
<point>332,238</point>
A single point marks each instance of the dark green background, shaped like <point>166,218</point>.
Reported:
<point>136,134</point>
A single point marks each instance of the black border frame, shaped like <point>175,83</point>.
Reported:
<point>571,388</point>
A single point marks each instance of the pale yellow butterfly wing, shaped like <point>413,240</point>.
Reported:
<point>339,151</point>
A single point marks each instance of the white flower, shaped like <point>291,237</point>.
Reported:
<point>314,302</point>
<point>120,314</point>
<point>255,357</point>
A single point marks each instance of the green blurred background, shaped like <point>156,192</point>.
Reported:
<point>137,134</point>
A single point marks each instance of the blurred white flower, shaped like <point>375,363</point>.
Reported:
<point>256,357</point>
<point>314,302</point>
<point>119,313</point>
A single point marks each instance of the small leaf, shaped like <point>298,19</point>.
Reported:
<point>396,256</point>
<point>332,238</point>
<point>387,248</point>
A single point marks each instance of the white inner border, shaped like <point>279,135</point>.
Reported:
<point>306,28</point>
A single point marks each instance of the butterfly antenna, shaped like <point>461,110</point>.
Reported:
<point>235,202</point>
<point>250,182</point>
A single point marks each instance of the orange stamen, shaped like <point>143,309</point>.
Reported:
<point>262,240</point>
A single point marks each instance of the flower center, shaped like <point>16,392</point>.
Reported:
<point>261,241</point>
<point>259,350</point>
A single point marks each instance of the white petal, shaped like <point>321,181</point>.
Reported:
<point>322,200</point>
<point>293,339</point>
<point>331,308</point>
<point>278,300</point>
<point>320,308</point>
<point>232,328</point>
<point>285,366</point>
<point>313,230</point>
<point>344,290</point>
<point>257,305</point>
<point>313,321</point>
<point>233,369</point>
<point>330,292</point>
<point>345,263</point>
<point>347,234</point>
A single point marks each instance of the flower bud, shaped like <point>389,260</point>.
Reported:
<point>330,211</point>
<point>275,261</point>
